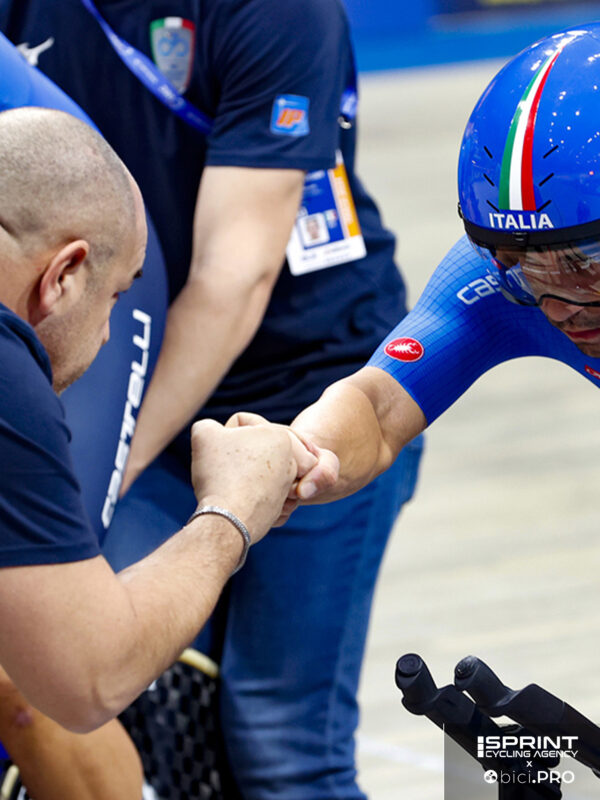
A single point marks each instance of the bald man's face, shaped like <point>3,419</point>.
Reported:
<point>72,340</point>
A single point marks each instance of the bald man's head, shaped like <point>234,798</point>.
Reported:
<point>60,181</point>
<point>72,233</point>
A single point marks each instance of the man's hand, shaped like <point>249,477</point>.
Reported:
<point>314,476</point>
<point>249,470</point>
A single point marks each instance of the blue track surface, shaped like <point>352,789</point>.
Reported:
<point>464,37</point>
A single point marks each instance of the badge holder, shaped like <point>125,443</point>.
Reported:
<point>326,232</point>
<point>468,720</point>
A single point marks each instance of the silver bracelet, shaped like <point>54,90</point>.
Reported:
<point>223,512</point>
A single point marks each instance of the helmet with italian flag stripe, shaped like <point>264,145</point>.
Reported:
<point>529,172</point>
<point>529,168</point>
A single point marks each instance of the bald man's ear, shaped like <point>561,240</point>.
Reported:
<point>63,280</point>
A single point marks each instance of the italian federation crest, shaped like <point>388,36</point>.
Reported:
<point>172,40</point>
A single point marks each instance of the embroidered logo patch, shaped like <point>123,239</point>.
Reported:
<point>172,41</point>
<point>290,115</point>
<point>405,349</point>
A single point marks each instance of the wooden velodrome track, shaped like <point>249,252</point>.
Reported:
<point>499,553</point>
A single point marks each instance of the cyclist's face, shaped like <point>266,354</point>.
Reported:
<point>563,281</point>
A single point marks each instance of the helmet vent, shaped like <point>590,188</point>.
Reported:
<point>488,179</point>
<point>552,149</point>
<point>547,178</point>
<point>488,152</point>
<point>493,206</point>
<point>541,208</point>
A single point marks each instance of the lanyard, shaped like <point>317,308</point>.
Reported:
<point>146,71</point>
<point>151,77</point>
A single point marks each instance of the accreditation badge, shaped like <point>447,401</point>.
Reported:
<point>326,232</point>
<point>172,42</point>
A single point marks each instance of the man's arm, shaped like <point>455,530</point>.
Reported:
<point>242,224</point>
<point>368,417</point>
<point>82,643</point>
<point>365,419</point>
<point>56,764</point>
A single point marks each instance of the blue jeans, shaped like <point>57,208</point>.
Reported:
<point>293,628</point>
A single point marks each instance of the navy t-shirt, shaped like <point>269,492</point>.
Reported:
<point>317,327</point>
<point>42,520</point>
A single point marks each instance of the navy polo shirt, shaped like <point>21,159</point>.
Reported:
<point>42,520</point>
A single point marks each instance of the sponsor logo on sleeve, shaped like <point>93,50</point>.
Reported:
<point>593,372</point>
<point>404,349</point>
<point>480,287</point>
<point>289,115</point>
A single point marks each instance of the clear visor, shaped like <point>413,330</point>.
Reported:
<point>567,272</point>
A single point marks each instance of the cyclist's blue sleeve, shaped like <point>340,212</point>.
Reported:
<point>462,326</point>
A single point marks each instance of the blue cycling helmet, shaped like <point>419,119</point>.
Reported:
<point>529,167</point>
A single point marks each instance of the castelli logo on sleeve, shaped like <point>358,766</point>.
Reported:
<point>405,349</point>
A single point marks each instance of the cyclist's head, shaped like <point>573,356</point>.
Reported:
<point>529,177</point>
